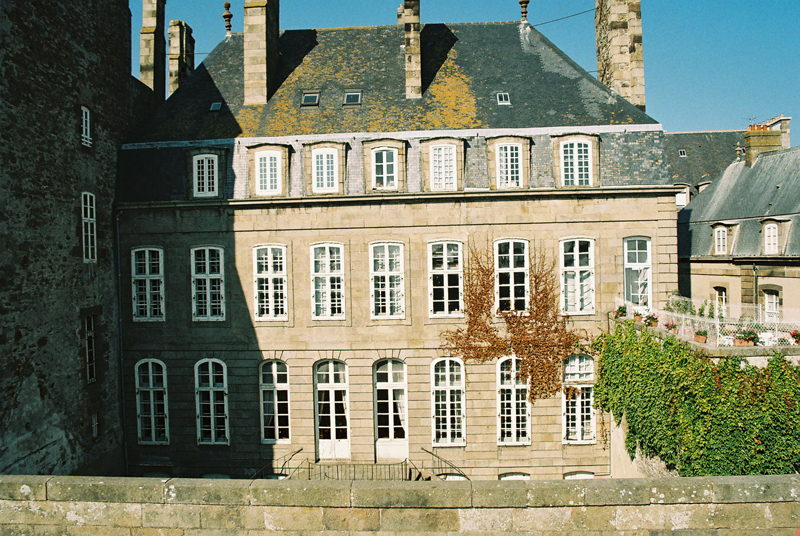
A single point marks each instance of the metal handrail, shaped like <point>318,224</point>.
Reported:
<point>443,463</point>
<point>285,459</point>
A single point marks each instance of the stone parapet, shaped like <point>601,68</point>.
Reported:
<point>135,506</point>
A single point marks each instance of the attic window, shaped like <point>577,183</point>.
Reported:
<point>352,97</point>
<point>310,98</point>
<point>503,99</point>
<point>682,153</point>
<point>215,107</point>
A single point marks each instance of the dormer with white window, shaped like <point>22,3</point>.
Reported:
<point>509,160</point>
<point>576,160</point>
<point>442,165</point>
<point>324,168</point>
<point>723,235</point>
<point>385,165</point>
<point>206,173</point>
<point>773,233</point>
<point>268,167</point>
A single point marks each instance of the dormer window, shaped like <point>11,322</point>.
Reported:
<point>310,98</point>
<point>771,239</point>
<point>205,175</point>
<point>509,162</point>
<point>352,97</point>
<point>503,99</point>
<point>576,160</point>
<point>721,240</point>
<point>385,161</point>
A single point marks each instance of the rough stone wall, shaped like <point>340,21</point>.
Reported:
<point>620,59</point>
<point>54,58</point>
<point>715,506</point>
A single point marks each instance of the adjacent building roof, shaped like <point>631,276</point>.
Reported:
<point>464,66</point>
<point>744,197</point>
<point>696,157</point>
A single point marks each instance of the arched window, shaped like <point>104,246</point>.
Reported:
<point>274,402</point>
<point>511,267</point>
<point>152,415</point>
<point>211,388</point>
<point>637,270</point>
<point>332,415</point>
<point>391,411</point>
<point>447,400</point>
<point>577,276</point>
<point>512,404</point>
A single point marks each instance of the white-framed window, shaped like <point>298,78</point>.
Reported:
<point>90,347</point>
<point>269,267</point>
<point>721,302</point>
<point>637,270</point>
<point>579,475</point>
<point>384,169</point>
<point>89,226</point>
<point>333,414</point>
<point>577,400</point>
<point>86,127</point>
<point>205,168</point>
<point>443,168</point>
<point>514,476</point>
<point>772,306</point>
<point>576,163</point>
<point>268,172</point>
<point>446,279</point>
<point>274,402</point>
<point>513,410</point>
<point>208,284</point>
<point>771,239</point>
<point>211,393</point>
<point>447,401</point>
<point>509,166</point>
<point>577,276</point>
<point>511,267</point>
<point>147,280</point>
<point>310,98</point>
<point>387,276</point>
<point>327,268</point>
<point>390,400</point>
<point>720,240</point>
<point>352,97</point>
<point>152,410</point>
<point>681,199</point>
<point>503,99</point>
<point>325,170</point>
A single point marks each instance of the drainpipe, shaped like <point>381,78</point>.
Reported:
<point>119,348</point>
<point>755,290</point>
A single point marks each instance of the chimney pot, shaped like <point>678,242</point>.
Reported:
<point>261,49</point>
<point>413,49</point>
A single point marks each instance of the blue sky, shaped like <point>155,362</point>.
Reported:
<point>709,65</point>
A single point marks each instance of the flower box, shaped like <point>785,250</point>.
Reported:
<point>701,338</point>
<point>637,317</point>
<point>740,342</point>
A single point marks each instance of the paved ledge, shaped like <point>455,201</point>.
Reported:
<point>394,494</point>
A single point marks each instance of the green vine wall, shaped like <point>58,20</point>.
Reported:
<point>701,418</point>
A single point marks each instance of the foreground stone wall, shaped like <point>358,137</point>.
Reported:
<point>180,507</point>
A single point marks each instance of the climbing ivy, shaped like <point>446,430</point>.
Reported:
<point>700,417</point>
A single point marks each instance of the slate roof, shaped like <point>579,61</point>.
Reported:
<point>464,66</point>
<point>708,154</point>
<point>745,196</point>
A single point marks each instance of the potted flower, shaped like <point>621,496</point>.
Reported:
<point>701,336</point>
<point>637,316</point>
<point>796,336</point>
<point>672,327</point>
<point>746,337</point>
<point>621,312</point>
<point>651,319</point>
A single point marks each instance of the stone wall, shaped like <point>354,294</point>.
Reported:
<point>55,58</point>
<point>730,506</point>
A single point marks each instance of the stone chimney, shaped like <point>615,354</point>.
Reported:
<point>153,48</point>
<point>181,53</point>
<point>408,17</point>
<point>782,123</point>
<point>760,139</point>
<point>261,37</point>
<point>620,61</point>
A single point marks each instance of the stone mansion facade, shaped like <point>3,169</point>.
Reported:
<point>294,226</point>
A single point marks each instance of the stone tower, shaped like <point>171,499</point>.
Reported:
<point>620,60</point>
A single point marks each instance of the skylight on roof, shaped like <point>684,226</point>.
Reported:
<point>503,99</point>
<point>352,97</point>
<point>215,107</point>
<point>682,153</point>
<point>310,98</point>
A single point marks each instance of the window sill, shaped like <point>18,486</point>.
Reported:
<point>578,313</point>
<point>276,442</point>
<point>577,443</point>
<point>508,444</point>
<point>149,320</point>
<point>195,319</point>
<point>449,445</point>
